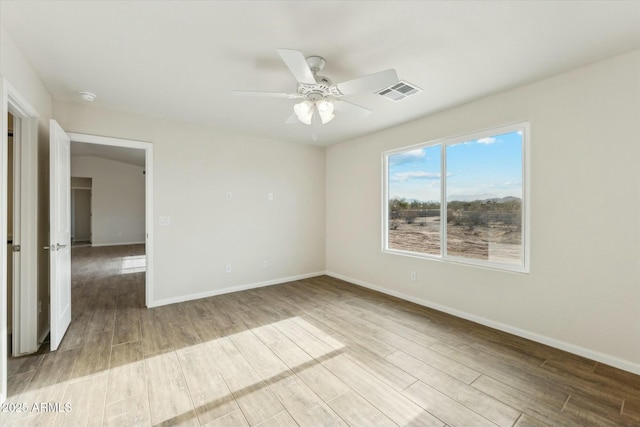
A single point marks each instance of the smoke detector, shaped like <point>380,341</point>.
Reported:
<point>87,96</point>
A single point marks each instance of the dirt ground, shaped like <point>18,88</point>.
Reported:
<point>497,243</point>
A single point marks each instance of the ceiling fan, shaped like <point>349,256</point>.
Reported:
<point>320,97</point>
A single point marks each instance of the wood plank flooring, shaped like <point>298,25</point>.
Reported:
<point>316,352</point>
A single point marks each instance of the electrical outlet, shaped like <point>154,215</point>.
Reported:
<point>413,276</point>
<point>270,196</point>
<point>227,268</point>
<point>229,195</point>
<point>165,220</point>
<point>265,264</point>
<point>39,306</point>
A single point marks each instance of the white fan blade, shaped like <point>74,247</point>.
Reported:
<point>351,108</point>
<point>266,94</point>
<point>298,65</point>
<point>369,83</point>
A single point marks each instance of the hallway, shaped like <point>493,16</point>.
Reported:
<point>107,294</point>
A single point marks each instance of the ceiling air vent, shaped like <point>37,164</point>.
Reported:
<point>399,91</point>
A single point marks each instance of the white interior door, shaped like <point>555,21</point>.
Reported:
<point>60,234</point>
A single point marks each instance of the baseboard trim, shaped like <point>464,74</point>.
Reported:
<point>96,245</point>
<point>212,293</point>
<point>552,342</point>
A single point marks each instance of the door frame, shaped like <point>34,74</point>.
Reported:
<point>148,195</point>
<point>26,294</point>
<point>13,282</point>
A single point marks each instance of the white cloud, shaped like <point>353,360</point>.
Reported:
<point>487,140</point>
<point>406,176</point>
<point>407,157</point>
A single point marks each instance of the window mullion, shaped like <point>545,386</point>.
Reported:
<point>443,201</point>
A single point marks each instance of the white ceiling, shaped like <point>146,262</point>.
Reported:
<point>132,156</point>
<point>181,59</point>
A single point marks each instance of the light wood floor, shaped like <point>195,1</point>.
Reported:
<point>313,352</point>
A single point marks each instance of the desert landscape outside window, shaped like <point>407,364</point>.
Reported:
<point>481,179</point>
<point>414,200</point>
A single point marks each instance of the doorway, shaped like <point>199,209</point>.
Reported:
<point>22,256</point>
<point>23,292</point>
<point>120,214</point>
<point>14,238</point>
<point>10,227</point>
<point>60,215</point>
<point>80,210</point>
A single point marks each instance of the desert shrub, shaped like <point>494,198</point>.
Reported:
<point>453,217</point>
<point>469,219</point>
<point>410,216</point>
<point>474,219</point>
<point>513,219</point>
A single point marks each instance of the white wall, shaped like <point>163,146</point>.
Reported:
<point>16,68</point>
<point>194,168</point>
<point>583,290</point>
<point>117,199</point>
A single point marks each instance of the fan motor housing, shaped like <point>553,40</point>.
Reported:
<point>323,87</point>
<point>316,63</point>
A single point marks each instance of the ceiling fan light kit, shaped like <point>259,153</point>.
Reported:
<point>319,96</point>
<point>304,110</point>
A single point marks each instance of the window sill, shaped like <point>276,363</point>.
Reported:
<point>509,268</point>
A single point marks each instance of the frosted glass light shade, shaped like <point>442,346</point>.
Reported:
<point>304,111</point>
<point>325,109</point>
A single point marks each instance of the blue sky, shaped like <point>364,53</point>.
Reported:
<point>482,168</point>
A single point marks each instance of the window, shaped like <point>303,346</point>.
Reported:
<point>460,199</point>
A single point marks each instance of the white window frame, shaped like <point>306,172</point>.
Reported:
<point>524,127</point>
